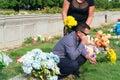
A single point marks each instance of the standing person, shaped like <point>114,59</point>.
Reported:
<point>71,51</point>
<point>81,10</point>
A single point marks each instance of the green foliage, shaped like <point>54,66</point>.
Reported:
<point>116,42</point>
<point>39,39</point>
<point>6,13</point>
<point>15,13</point>
<point>2,63</point>
<point>102,57</point>
<point>13,3</point>
<point>58,37</point>
<point>51,10</point>
<point>28,40</point>
<point>4,4</point>
<point>9,13</point>
<point>47,10</point>
<point>34,12</point>
<point>35,4</point>
<point>107,4</point>
<point>115,4</point>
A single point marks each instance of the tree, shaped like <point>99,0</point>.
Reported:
<point>4,4</point>
<point>15,5</point>
<point>105,4</point>
<point>31,4</point>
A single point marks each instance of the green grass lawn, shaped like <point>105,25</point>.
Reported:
<point>100,71</point>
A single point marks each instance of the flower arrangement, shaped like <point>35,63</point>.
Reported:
<point>92,50</point>
<point>70,22</point>
<point>4,60</point>
<point>40,64</point>
<point>112,56</point>
<point>101,41</point>
<point>44,39</point>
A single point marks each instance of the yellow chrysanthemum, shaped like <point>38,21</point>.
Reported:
<point>70,22</point>
<point>112,56</point>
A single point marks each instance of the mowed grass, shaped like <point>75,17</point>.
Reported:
<point>100,71</point>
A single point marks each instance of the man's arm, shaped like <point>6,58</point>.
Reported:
<point>87,56</point>
<point>73,50</point>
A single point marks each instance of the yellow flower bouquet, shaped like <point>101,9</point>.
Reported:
<point>112,56</point>
<point>70,23</point>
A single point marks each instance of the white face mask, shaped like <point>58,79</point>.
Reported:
<point>88,39</point>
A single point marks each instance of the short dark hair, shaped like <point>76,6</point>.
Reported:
<point>82,27</point>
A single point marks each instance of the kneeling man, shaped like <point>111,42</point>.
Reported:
<point>71,51</point>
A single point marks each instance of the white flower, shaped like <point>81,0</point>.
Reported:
<point>5,58</point>
<point>36,65</point>
<point>35,39</point>
<point>27,67</point>
<point>54,57</point>
<point>27,70</point>
<point>38,60</point>
<point>53,78</point>
<point>50,64</point>
<point>43,56</point>
<point>41,38</point>
<point>27,57</point>
<point>36,51</point>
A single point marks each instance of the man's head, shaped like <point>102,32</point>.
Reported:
<point>82,30</point>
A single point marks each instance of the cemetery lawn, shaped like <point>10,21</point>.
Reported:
<point>100,71</point>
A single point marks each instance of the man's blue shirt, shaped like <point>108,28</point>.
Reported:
<point>69,46</point>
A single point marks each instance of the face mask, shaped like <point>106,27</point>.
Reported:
<point>88,39</point>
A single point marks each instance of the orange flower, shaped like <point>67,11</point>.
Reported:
<point>103,41</point>
<point>99,33</point>
<point>97,43</point>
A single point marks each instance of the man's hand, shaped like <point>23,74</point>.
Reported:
<point>92,60</point>
<point>84,40</point>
